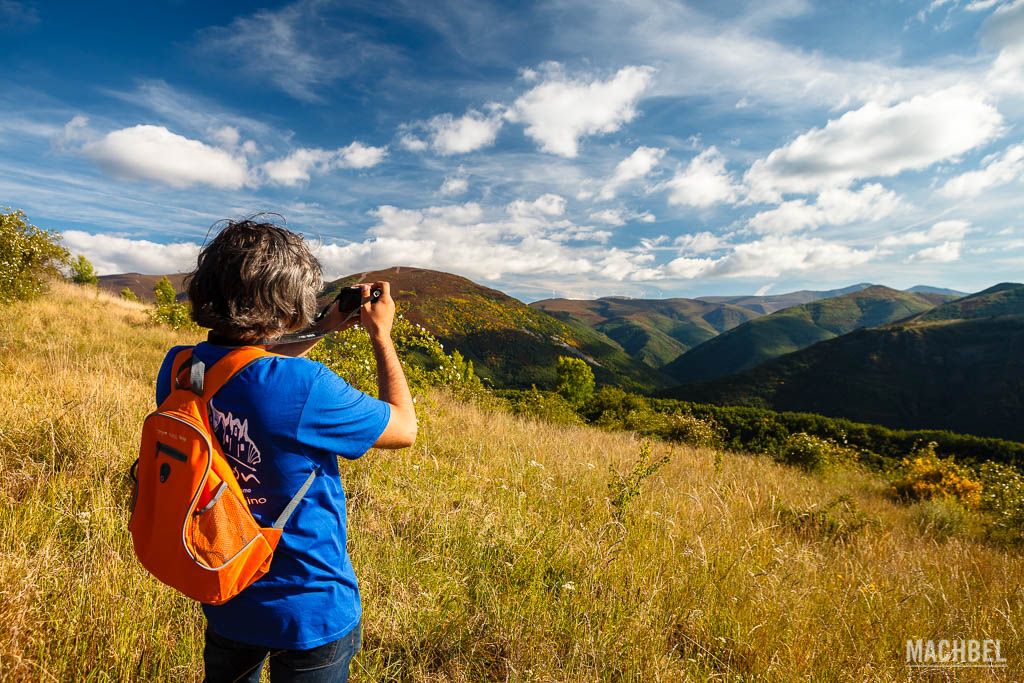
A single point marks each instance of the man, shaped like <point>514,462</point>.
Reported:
<point>278,420</point>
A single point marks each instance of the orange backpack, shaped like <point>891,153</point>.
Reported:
<point>190,524</point>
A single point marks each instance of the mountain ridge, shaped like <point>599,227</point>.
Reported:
<point>961,374</point>
<point>792,329</point>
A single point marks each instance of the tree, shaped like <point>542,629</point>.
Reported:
<point>167,309</point>
<point>575,380</point>
<point>28,257</point>
<point>82,271</point>
<point>164,291</point>
<point>128,294</point>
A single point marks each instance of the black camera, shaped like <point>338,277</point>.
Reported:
<point>349,300</point>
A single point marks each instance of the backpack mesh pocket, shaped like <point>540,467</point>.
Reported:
<point>222,530</point>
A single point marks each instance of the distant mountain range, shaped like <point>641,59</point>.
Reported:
<point>652,331</point>
<point>959,366</point>
<point>770,303</point>
<point>923,357</point>
<point>795,328</point>
<point>510,343</point>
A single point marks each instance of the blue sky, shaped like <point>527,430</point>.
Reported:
<point>569,148</point>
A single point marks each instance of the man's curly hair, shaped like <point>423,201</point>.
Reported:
<point>255,281</point>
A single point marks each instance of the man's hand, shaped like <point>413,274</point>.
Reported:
<point>378,316</point>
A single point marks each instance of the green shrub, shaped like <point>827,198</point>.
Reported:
<point>610,407</point>
<point>82,272</point>
<point>426,365</point>
<point>814,454</point>
<point>1002,498</point>
<point>924,476</point>
<point>940,518</point>
<point>575,380</point>
<point>167,310</point>
<point>693,431</point>
<point>28,257</point>
<point>128,294</point>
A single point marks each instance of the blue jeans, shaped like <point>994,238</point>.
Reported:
<point>228,660</point>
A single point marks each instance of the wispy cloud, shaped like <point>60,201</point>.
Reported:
<point>18,15</point>
<point>301,49</point>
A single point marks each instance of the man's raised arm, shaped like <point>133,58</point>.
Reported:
<point>377,317</point>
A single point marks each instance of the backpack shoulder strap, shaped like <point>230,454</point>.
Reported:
<point>180,368</point>
<point>227,367</point>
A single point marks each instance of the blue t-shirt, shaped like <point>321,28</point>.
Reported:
<point>277,420</point>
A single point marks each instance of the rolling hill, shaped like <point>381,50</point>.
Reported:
<point>928,289</point>
<point>1006,298</point>
<point>792,329</point>
<point>770,303</point>
<point>141,284</point>
<point>964,374</point>
<point>653,331</point>
<point>510,343</point>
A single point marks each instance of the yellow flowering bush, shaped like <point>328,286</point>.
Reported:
<point>925,476</point>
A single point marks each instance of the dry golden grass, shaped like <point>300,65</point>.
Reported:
<point>487,552</point>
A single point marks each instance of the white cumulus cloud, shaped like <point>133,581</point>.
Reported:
<point>699,243</point>
<point>609,216</point>
<point>704,182</point>
<point>111,254</point>
<point>996,170</point>
<point>410,142</point>
<point>634,167</point>
<point>940,253</point>
<point>298,165</point>
<point>528,237</point>
<point>1003,32</point>
<point>472,131</point>
<point>156,154</point>
<point>952,230</point>
<point>876,141</point>
<point>835,206</point>
<point>772,256</point>
<point>560,110</point>
<point>452,187</point>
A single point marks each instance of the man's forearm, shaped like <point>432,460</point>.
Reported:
<point>390,377</point>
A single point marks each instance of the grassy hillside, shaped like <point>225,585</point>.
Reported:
<point>653,331</point>
<point>1006,299</point>
<point>965,376</point>
<point>940,291</point>
<point>509,343</point>
<point>492,550</point>
<point>793,329</point>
